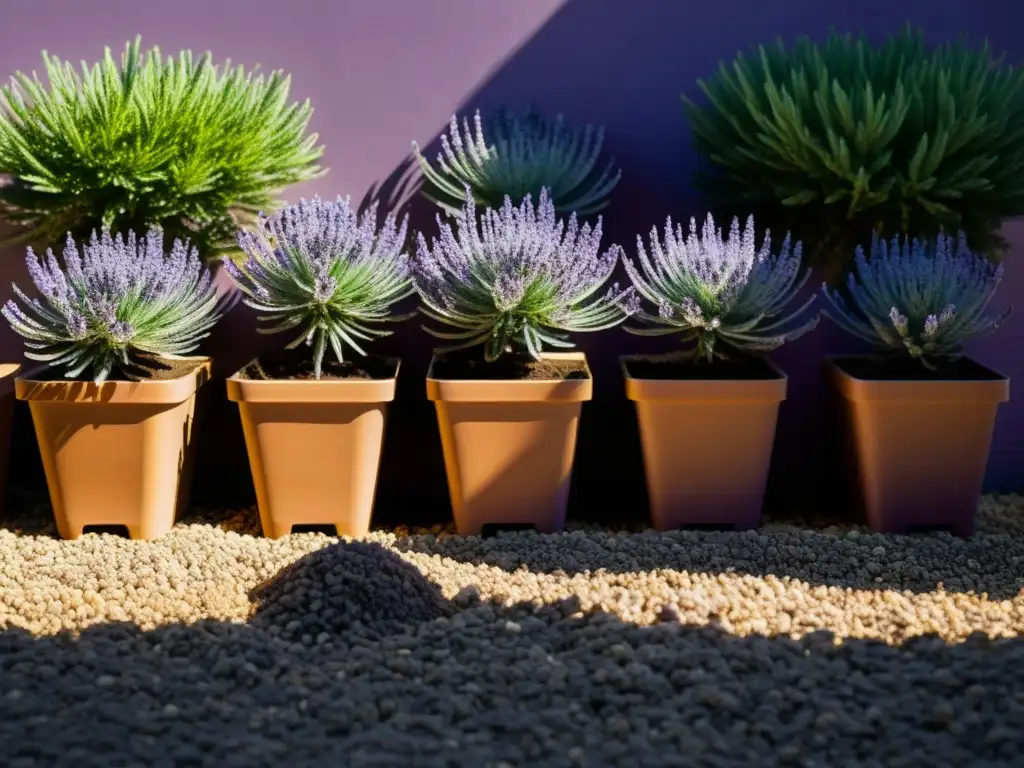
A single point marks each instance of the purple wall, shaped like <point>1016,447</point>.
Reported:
<point>383,73</point>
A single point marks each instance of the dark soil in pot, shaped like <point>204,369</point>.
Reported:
<point>144,369</point>
<point>748,369</point>
<point>297,365</point>
<point>469,365</point>
<point>907,369</point>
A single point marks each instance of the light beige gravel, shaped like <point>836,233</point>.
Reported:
<point>781,579</point>
<point>568,612</point>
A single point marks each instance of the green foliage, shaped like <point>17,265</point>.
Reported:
<point>517,279</point>
<point>842,140</point>
<point>516,154</point>
<point>327,271</point>
<point>717,291</point>
<point>113,303</point>
<point>176,143</point>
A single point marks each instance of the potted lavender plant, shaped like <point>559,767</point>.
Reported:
<point>919,414</point>
<point>509,286</point>
<point>314,425</point>
<point>707,414</point>
<point>114,407</point>
<point>518,153</point>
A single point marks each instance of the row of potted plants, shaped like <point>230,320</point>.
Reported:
<point>830,138</point>
<point>114,406</point>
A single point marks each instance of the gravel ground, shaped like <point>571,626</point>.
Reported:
<point>790,645</point>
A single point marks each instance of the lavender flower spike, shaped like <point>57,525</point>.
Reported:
<point>320,268</point>
<point>115,300</point>
<point>518,281</point>
<point>920,299</point>
<point>709,290</point>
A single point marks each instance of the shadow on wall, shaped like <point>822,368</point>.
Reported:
<point>351,655</point>
<point>621,64</point>
<point>396,194</point>
<point>580,63</point>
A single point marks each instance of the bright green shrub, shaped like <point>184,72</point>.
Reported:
<point>175,143</point>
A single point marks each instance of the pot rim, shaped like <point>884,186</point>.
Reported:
<point>8,372</point>
<point>312,391</point>
<point>115,391</point>
<point>657,358</point>
<point>831,359</point>
<point>513,390</point>
<point>915,392</point>
<point>704,391</point>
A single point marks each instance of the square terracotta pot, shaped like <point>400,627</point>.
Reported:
<point>509,447</point>
<point>117,453</point>
<point>314,448</point>
<point>707,445</point>
<point>919,449</point>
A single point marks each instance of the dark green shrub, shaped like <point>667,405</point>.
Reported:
<point>842,140</point>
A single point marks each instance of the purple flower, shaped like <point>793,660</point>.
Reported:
<point>322,270</point>
<point>709,288</point>
<point>115,298</point>
<point>518,279</point>
<point>934,295</point>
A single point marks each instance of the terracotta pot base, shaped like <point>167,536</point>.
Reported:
<point>918,449</point>
<point>314,449</point>
<point>113,453</point>
<point>509,447</point>
<point>707,445</point>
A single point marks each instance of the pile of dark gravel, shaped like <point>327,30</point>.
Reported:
<point>349,587</point>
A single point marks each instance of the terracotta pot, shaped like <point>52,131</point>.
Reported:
<point>509,447</point>
<point>918,448</point>
<point>707,446</point>
<point>7,373</point>
<point>314,449</point>
<point>117,453</point>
